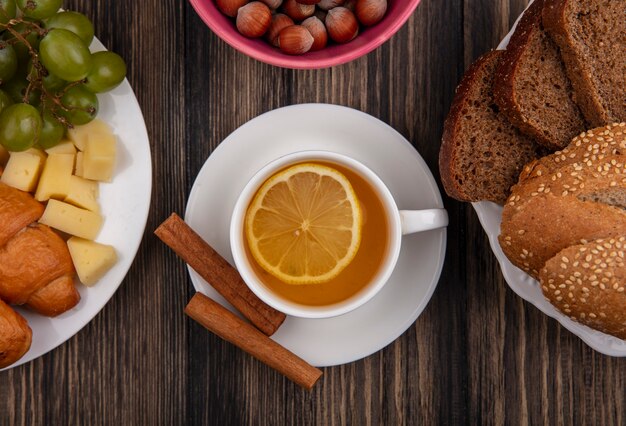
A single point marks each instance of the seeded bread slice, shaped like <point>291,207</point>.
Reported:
<point>589,146</point>
<point>591,35</point>
<point>531,86</point>
<point>587,282</point>
<point>482,153</point>
<point>547,214</point>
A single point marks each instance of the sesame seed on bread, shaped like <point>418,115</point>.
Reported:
<point>587,282</point>
<point>481,153</point>
<point>531,86</point>
<point>577,202</point>
<point>589,146</point>
<point>590,34</point>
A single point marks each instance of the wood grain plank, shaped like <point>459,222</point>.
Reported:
<point>126,365</point>
<point>401,83</point>
<point>478,354</point>
<point>525,368</point>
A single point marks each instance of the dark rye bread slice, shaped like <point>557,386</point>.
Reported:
<point>587,282</point>
<point>482,153</point>
<point>592,37</point>
<point>577,202</point>
<point>531,86</point>
<point>589,146</point>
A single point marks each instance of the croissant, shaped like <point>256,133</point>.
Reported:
<point>17,210</point>
<point>32,259</point>
<point>15,335</point>
<point>35,269</point>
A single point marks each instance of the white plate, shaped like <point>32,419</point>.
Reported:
<point>527,288</point>
<point>125,203</point>
<point>325,342</point>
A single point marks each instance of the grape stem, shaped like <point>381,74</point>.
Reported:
<point>36,81</point>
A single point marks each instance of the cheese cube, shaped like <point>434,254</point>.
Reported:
<point>99,157</point>
<point>80,134</point>
<point>83,193</point>
<point>23,169</point>
<point>92,260</point>
<point>78,168</point>
<point>64,147</point>
<point>4,155</point>
<point>55,178</point>
<point>72,220</point>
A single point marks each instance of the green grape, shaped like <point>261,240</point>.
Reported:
<point>7,10</point>
<point>16,89</point>
<point>75,22</point>
<point>39,9</point>
<point>107,73</point>
<point>20,126</point>
<point>53,83</point>
<point>82,105</point>
<point>5,100</point>
<point>31,36</point>
<point>52,131</point>
<point>8,62</point>
<point>64,54</point>
<point>50,81</point>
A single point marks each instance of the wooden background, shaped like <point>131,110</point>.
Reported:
<point>478,354</point>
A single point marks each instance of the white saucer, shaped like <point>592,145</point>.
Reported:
<point>343,339</point>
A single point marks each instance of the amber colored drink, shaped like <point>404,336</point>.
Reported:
<point>362,269</point>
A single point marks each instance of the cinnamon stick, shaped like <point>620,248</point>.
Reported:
<point>230,327</point>
<point>217,271</point>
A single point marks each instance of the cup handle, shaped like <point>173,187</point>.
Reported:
<point>422,220</point>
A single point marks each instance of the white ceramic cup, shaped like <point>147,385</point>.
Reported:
<point>400,222</point>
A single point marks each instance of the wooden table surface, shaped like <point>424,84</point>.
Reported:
<point>478,353</point>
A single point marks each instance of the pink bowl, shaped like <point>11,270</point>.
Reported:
<point>370,38</point>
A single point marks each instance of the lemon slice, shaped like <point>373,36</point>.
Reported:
<point>304,224</point>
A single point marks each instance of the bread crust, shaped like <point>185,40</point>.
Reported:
<point>549,213</point>
<point>555,20</point>
<point>506,96</point>
<point>482,153</point>
<point>587,283</point>
<point>448,153</point>
<point>55,298</point>
<point>31,260</point>
<point>17,210</point>
<point>592,145</point>
<point>15,335</point>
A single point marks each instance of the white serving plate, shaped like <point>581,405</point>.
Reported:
<point>124,202</point>
<point>527,288</point>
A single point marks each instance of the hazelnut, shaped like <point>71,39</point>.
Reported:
<point>308,1</point>
<point>298,11</point>
<point>230,7</point>
<point>350,5</point>
<point>318,31</point>
<point>370,12</point>
<point>295,40</point>
<point>341,24</point>
<point>329,4</point>
<point>280,21</point>
<point>320,14</point>
<point>273,4</point>
<point>254,19</point>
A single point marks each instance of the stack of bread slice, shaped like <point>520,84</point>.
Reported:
<point>565,225</point>
<point>563,71</point>
<point>511,138</point>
